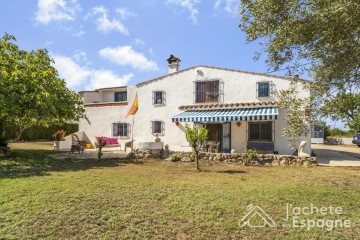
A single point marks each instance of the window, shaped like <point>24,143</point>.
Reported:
<point>121,130</point>
<point>208,91</point>
<point>263,89</point>
<point>159,98</point>
<point>121,96</point>
<point>260,131</point>
<point>157,127</point>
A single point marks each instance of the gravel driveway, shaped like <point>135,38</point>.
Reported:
<point>337,155</point>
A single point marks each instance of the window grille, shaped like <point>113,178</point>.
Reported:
<point>265,89</point>
<point>159,98</point>
<point>157,127</point>
<point>121,130</point>
<point>206,91</point>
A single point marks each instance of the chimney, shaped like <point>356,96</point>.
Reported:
<point>173,63</point>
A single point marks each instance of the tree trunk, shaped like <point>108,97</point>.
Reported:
<point>19,133</point>
<point>197,160</point>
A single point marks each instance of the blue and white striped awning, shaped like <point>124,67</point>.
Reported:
<point>228,115</point>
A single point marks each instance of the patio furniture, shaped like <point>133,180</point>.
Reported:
<point>110,142</point>
<point>264,146</point>
<point>129,144</point>
<point>214,147</point>
<point>76,144</point>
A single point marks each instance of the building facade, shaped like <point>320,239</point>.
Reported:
<point>237,107</point>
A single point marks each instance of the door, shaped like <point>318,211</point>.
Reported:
<point>226,137</point>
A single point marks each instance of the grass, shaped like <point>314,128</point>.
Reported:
<point>152,199</point>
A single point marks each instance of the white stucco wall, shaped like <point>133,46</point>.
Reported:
<point>91,97</point>
<point>238,87</point>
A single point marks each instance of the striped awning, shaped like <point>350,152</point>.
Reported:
<point>227,115</point>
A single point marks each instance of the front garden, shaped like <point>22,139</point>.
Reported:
<point>156,199</point>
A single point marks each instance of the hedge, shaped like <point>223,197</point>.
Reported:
<point>37,133</point>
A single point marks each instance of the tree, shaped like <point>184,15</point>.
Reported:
<point>320,37</point>
<point>197,138</point>
<point>298,118</point>
<point>31,92</point>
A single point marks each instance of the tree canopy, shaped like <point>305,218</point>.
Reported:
<point>318,36</point>
<point>31,92</point>
<point>197,137</point>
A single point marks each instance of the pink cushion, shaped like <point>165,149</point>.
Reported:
<point>99,139</point>
<point>109,141</point>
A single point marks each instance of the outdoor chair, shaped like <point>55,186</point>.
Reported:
<point>129,144</point>
<point>214,147</point>
<point>76,144</point>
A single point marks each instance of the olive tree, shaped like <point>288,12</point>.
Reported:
<point>317,37</point>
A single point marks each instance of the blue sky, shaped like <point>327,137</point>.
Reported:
<point>113,43</point>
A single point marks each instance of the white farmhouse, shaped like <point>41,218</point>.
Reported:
<point>238,108</point>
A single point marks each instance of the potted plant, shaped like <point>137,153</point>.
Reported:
<point>59,135</point>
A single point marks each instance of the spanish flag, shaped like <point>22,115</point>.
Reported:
<point>134,107</point>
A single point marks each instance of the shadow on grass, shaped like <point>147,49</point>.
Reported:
<point>231,171</point>
<point>26,163</point>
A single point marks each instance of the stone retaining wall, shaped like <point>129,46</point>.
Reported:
<point>256,160</point>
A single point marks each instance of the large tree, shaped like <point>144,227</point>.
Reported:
<point>31,92</point>
<point>321,37</point>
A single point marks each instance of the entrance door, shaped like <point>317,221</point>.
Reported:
<point>226,137</point>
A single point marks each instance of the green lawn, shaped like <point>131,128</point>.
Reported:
<point>117,199</point>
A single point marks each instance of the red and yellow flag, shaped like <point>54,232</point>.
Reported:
<point>134,107</point>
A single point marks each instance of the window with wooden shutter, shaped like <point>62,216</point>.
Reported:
<point>159,98</point>
<point>157,127</point>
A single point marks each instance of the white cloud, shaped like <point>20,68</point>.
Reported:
<point>105,24</point>
<point>106,78</point>
<point>56,10</point>
<point>126,55</point>
<point>139,41</point>
<point>79,33</point>
<point>229,6</point>
<point>124,13</point>
<point>69,70</point>
<point>189,5</point>
<point>80,56</point>
<point>78,77</point>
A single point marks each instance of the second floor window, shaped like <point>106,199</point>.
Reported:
<point>121,96</point>
<point>159,98</point>
<point>157,127</point>
<point>207,91</point>
<point>120,130</point>
<point>265,89</point>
